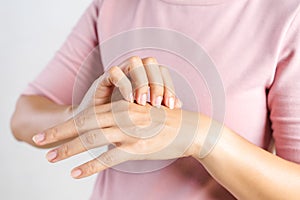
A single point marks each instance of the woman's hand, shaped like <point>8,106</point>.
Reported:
<point>94,121</point>
<point>133,78</point>
<point>137,132</point>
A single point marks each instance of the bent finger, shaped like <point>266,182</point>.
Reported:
<point>135,69</point>
<point>116,77</point>
<point>169,90</point>
<point>155,81</point>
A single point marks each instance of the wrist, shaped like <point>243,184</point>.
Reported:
<point>207,137</point>
<point>194,127</point>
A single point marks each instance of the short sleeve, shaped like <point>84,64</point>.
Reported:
<point>57,79</point>
<point>284,96</point>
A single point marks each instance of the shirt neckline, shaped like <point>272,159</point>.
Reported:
<point>196,2</point>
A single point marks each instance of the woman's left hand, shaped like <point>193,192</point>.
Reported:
<point>137,132</point>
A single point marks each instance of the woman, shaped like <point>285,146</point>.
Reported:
<point>255,46</point>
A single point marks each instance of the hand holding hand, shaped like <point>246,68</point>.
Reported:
<point>137,132</point>
<point>133,78</point>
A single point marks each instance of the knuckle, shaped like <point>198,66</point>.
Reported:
<point>111,138</point>
<point>141,145</point>
<point>142,119</point>
<point>146,118</point>
<point>64,150</point>
<point>107,159</point>
<point>142,87</point>
<point>91,167</point>
<point>145,122</point>
<point>149,60</point>
<point>132,111</point>
<point>113,70</point>
<point>134,62</point>
<point>134,59</point>
<point>164,69</point>
<point>80,120</point>
<point>157,88</point>
<point>52,133</point>
<point>119,106</point>
<point>90,138</point>
<point>169,91</point>
<point>114,74</point>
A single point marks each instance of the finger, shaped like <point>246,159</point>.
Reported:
<point>116,77</point>
<point>60,132</point>
<point>178,103</point>
<point>87,141</point>
<point>135,69</point>
<point>155,81</point>
<point>85,121</point>
<point>106,160</point>
<point>169,90</point>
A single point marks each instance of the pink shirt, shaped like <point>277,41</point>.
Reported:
<point>255,47</point>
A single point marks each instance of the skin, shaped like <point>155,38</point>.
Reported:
<point>251,172</point>
<point>47,113</point>
<point>43,113</point>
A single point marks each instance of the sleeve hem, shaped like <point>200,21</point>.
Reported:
<point>36,90</point>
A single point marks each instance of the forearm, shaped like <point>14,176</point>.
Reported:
<point>33,114</point>
<point>250,172</point>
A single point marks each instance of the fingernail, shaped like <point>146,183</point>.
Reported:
<point>178,103</point>
<point>131,98</point>
<point>75,173</point>
<point>39,137</point>
<point>171,103</point>
<point>158,101</point>
<point>143,99</point>
<point>51,155</point>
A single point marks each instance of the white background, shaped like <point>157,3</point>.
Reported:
<point>30,33</point>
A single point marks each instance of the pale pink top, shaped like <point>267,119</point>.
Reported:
<point>255,47</point>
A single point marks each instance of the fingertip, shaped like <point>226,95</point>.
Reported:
<point>51,156</point>
<point>131,99</point>
<point>171,102</point>
<point>142,99</point>
<point>38,138</point>
<point>158,101</point>
<point>178,103</point>
<point>76,173</point>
